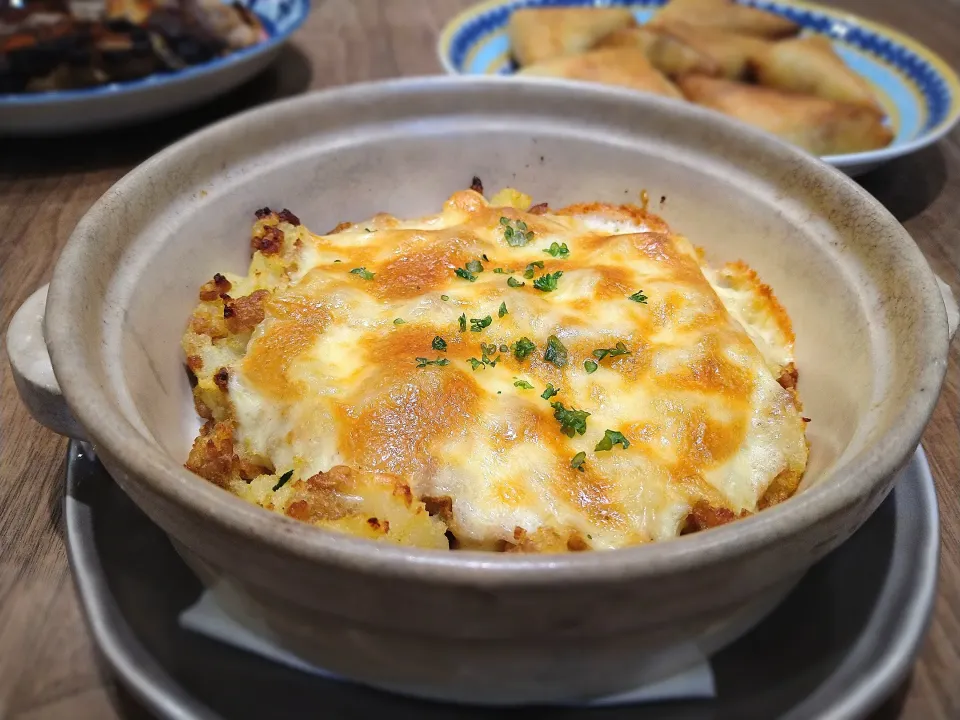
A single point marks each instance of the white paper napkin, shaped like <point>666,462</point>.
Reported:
<point>209,617</point>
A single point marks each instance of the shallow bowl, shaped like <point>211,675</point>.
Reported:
<point>917,89</point>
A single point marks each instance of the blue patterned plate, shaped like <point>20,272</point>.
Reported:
<point>98,108</point>
<point>918,90</point>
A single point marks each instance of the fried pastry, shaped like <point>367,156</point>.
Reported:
<point>624,66</point>
<point>820,126</point>
<point>540,34</point>
<point>727,16</point>
<point>667,54</point>
<point>732,52</point>
<point>810,66</point>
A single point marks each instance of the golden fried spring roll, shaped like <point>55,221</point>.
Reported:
<point>623,66</point>
<point>732,52</point>
<point>810,66</point>
<point>539,34</point>
<point>670,56</point>
<point>822,127</point>
<point>727,16</point>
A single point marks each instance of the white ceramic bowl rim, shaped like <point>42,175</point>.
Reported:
<point>166,477</point>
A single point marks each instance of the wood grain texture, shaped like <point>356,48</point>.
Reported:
<point>48,666</point>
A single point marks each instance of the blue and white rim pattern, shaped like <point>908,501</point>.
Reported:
<point>280,19</point>
<point>924,91</point>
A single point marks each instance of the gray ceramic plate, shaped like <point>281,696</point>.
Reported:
<point>840,643</point>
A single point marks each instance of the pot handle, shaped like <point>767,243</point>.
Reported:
<point>953,312</point>
<point>32,371</point>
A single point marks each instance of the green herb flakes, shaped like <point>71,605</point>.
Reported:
<point>558,250</point>
<point>548,282</point>
<point>611,438</point>
<point>423,362</point>
<point>503,310</point>
<point>283,480</point>
<point>549,392</point>
<point>362,272</point>
<point>486,357</point>
<point>590,366</point>
<point>522,348</point>
<point>499,271</point>
<point>478,324</point>
<point>555,353</point>
<point>513,282</point>
<point>522,384</point>
<point>463,322</point>
<point>531,268</point>
<point>465,274</point>
<point>474,266</point>
<point>439,344</point>
<point>638,297</point>
<point>516,232</point>
<point>572,421</point>
<point>444,297</point>
<point>577,462</point>
<point>504,348</point>
<point>399,321</point>
<point>620,349</point>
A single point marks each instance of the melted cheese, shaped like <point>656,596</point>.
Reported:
<point>330,378</point>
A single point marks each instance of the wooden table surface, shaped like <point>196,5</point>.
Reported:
<point>48,665</point>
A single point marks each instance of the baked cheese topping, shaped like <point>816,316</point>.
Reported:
<point>496,376</point>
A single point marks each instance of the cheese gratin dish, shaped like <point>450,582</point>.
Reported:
<point>499,376</point>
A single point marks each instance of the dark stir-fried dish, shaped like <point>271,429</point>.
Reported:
<point>59,45</point>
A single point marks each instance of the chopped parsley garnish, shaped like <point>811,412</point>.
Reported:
<point>283,480</point>
<point>369,230</point>
<point>522,384</point>
<point>499,271</point>
<point>611,438</point>
<point>639,297</point>
<point>516,233</point>
<point>398,321</point>
<point>558,250</point>
<point>522,347</point>
<point>590,366</point>
<point>362,272</point>
<point>423,362</point>
<point>474,266</point>
<point>548,282</point>
<point>572,421</point>
<point>478,324</point>
<point>577,462</point>
<point>549,392</point>
<point>485,258</point>
<point>620,349</point>
<point>531,267</point>
<point>465,274</point>
<point>555,353</point>
<point>504,348</point>
<point>488,349</point>
<point>513,282</point>
<point>503,310</point>
<point>444,297</point>
<point>486,358</point>
<point>463,322</point>
<point>336,261</point>
<point>439,344</point>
